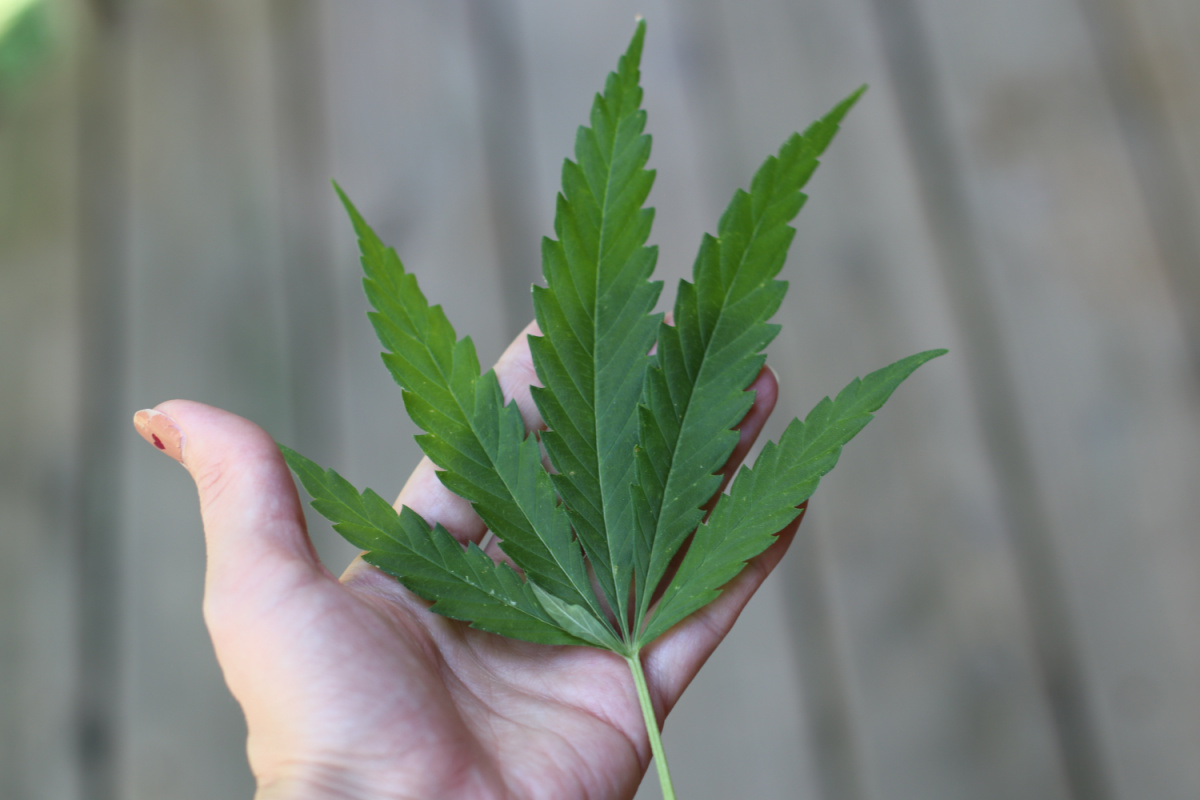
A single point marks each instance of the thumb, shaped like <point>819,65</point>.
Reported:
<point>255,537</point>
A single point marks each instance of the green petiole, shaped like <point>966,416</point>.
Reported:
<point>643,693</point>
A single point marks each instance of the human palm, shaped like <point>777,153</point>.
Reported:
<point>352,688</point>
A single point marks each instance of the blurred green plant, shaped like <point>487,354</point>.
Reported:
<point>24,40</point>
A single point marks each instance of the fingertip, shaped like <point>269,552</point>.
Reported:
<point>766,390</point>
<point>516,374</point>
<point>766,393</point>
<point>248,501</point>
<point>161,431</point>
<point>425,494</point>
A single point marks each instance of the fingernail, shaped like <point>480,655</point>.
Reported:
<point>161,431</point>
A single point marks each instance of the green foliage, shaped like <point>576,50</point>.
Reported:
<point>636,441</point>
<point>25,40</point>
<point>641,415</point>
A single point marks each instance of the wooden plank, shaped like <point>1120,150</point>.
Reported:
<point>405,144</point>
<point>1074,740</point>
<point>102,244</point>
<point>1150,72</point>
<point>307,270</point>
<point>39,434</point>
<point>1088,318</point>
<point>206,323</point>
<point>501,89</point>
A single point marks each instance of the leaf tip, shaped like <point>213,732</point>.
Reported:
<point>634,52</point>
<point>840,111</point>
<point>356,219</point>
<point>293,459</point>
<point>929,355</point>
<point>342,196</point>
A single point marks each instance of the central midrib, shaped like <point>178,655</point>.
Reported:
<point>596,369</point>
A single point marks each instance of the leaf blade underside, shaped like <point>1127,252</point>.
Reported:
<point>595,317</point>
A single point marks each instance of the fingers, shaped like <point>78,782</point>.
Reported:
<point>425,494</point>
<point>255,537</point>
<point>515,372</point>
<point>766,392</point>
<point>436,504</point>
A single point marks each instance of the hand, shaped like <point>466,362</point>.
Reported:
<point>353,689</point>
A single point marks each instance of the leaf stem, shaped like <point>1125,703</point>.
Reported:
<point>643,692</point>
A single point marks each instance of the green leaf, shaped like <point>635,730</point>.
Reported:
<point>463,583</point>
<point>765,498</point>
<point>597,328</point>
<point>695,394</point>
<point>478,442</point>
<point>636,441</point>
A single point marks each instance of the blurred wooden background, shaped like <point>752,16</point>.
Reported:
<point>997,594</point>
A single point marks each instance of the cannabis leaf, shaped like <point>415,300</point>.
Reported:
<point>641,415</point>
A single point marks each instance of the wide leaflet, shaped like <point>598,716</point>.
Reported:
<point>595,314</point>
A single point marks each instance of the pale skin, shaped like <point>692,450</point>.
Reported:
<point>351,688</point>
